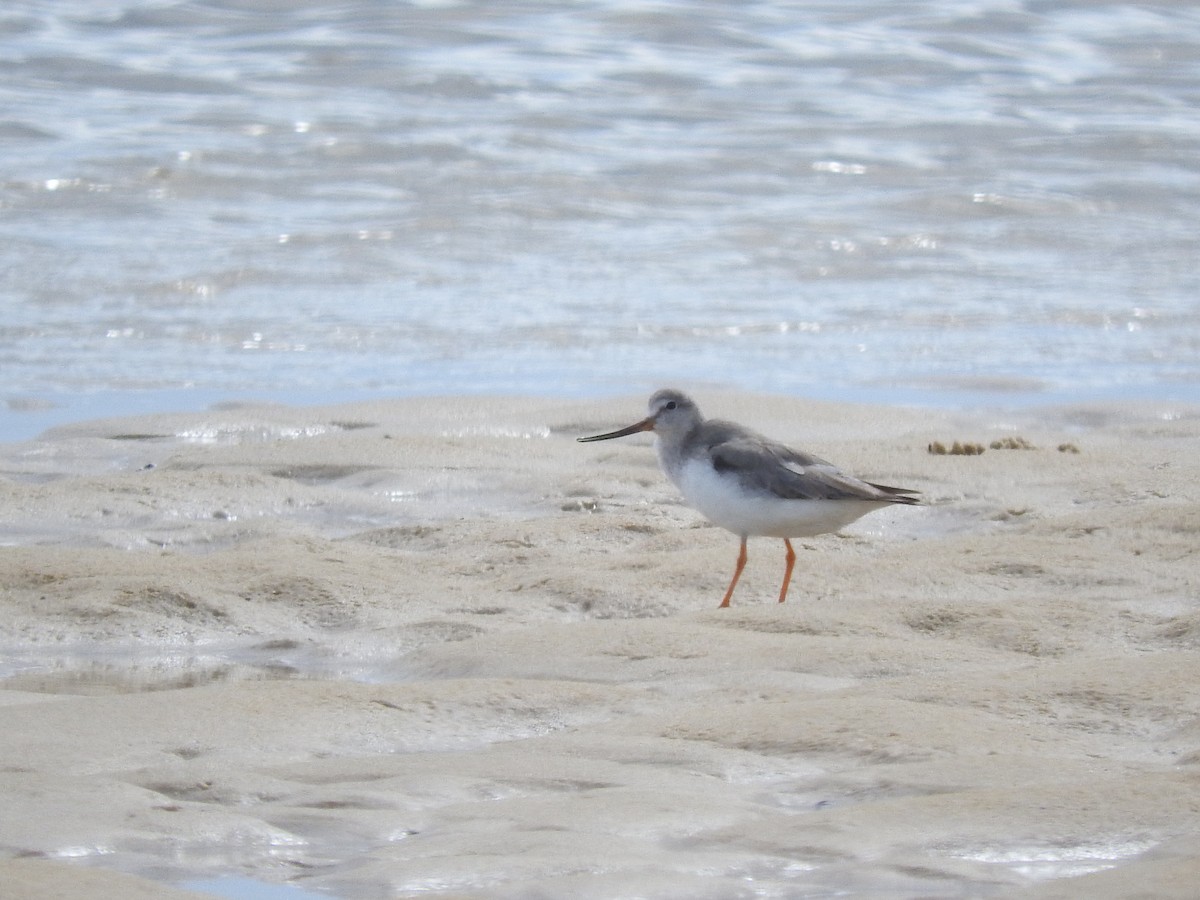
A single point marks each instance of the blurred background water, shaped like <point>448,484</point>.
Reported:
<point>936,203</point>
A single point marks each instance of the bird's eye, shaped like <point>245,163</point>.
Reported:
<point>671,404</point>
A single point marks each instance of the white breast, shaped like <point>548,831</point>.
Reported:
<point>722,500</point>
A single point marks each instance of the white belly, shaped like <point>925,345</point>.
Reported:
<point>721,499</point>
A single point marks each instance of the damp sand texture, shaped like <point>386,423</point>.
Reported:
<point>437,648</point>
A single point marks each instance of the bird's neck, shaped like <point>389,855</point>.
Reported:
<point>671,457</point>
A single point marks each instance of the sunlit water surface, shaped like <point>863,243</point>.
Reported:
<point>936,204</point>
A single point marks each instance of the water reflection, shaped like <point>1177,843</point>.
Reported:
<point>249,889</point>
<point>87,671</point>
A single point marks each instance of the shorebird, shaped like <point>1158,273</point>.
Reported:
<point>751,485</point>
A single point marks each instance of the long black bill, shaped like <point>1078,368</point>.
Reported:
<point>644,425</point>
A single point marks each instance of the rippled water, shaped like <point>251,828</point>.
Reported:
<point>935,202</point>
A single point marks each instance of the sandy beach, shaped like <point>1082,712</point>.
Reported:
<point>437,648</point>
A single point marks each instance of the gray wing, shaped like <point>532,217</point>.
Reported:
<point>793,475</point>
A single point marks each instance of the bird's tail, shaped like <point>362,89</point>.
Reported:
<point>897,494</point>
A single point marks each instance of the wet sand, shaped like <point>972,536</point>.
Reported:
<point>437,648</point>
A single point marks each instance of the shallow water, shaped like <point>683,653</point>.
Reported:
<point>937,204</point>
<point>249,889</point>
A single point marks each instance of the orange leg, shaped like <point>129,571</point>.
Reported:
<point>737,573</point>
<point>787,573</point>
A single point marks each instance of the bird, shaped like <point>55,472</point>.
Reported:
<point>751,485</point>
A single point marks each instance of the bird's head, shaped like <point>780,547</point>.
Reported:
<point>670,412</point>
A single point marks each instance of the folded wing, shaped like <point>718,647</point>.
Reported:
<point>780,471</point>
